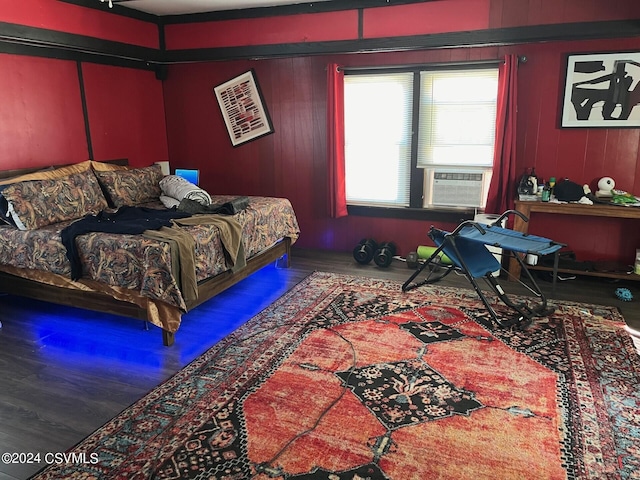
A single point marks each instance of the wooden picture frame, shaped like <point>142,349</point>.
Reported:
<point>602,90</point>
<point>243,110</point>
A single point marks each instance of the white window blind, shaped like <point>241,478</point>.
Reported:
<point>378,111</point>
<point>457,117</point>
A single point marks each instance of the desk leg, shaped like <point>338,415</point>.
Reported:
<point>519,225</point>
<point>556,260</point>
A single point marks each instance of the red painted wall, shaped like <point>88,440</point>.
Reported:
<point>401,20</point>
<point>69,18</point>
<point>126,108</point>
<point>263,31</point>
<point>583,155</point>
<point>380,22</point>
<point>512,13</point>
<point>42,121</point>
<point>424,18</point>
<point>126,114</point>
<point>291,162</point>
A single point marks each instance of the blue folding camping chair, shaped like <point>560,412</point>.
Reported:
<point>466,248</point>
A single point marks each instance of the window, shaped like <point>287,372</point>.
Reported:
<point>420,138</point>
<point>378,112</point>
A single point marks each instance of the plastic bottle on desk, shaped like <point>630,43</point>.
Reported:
<point>546,193</point>
<point>541,186</point>
<point>552,183</point>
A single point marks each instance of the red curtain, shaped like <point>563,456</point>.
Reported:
<point>503,187</point>
<point>335,141</point>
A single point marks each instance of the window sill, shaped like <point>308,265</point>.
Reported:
<point>456,216</point>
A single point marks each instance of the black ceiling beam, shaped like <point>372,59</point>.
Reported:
<point>490,37</point>
<point>50,43</point>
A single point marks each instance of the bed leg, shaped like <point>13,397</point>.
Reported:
<point>283,262</point>
<point>168,338</point>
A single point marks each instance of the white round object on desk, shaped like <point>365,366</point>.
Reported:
<point>606,184</point>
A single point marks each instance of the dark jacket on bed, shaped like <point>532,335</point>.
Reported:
<point>131,220</point>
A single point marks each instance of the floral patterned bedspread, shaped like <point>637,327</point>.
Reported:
<point>144,264</point>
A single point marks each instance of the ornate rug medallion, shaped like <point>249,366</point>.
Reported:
<point>347,378</point>
<point>407,392</point>
<point>430,332</point>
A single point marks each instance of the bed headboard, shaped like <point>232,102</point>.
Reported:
<point>24,171</point>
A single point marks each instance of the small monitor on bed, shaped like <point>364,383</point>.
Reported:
<point>189,174</point>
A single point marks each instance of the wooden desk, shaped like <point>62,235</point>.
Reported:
<point>596,210</point>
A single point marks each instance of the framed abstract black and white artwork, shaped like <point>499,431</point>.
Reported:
<point>243,110</point>
<point>602,90</point>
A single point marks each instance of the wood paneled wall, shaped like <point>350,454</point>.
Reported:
<point>515,13</point>
<point>442,16</point>
<point>42,119</point>
<point>125,113</point>
<point>291,162</point>
<point>56,111</point>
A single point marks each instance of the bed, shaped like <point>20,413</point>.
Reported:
<point>146,276</point>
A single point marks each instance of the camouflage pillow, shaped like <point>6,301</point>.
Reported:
<point>131,187</point>
<point>36,203</point>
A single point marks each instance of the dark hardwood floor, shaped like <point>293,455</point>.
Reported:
<point>64,372</point>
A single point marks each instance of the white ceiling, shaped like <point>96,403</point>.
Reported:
<point>182,7</point>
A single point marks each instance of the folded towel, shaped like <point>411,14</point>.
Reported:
<point>170,202</point>
<point>177,187</point>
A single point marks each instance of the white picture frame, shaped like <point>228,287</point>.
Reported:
<point>602,90</point>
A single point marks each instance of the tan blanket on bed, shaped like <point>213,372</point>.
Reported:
<point>182,248</point>
<point>183,258</point>
<point>230,236</point>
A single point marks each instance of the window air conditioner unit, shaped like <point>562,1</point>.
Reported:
<point>455,187</point>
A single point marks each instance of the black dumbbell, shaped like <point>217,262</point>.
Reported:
<point>364,251</point>
<point>384,254</point>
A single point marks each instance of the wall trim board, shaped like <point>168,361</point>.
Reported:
<point>85,110</point>
<point>73,55</point>
<point>162,43</point>
<point>282,10</point>
<point>480,38</point>
<point>34,41</point>
<point>408,213</point>
<point>51,43</point>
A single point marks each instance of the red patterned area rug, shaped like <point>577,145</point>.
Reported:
<point>349,378</point>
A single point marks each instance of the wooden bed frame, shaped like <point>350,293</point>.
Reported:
<point>102,302</point>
